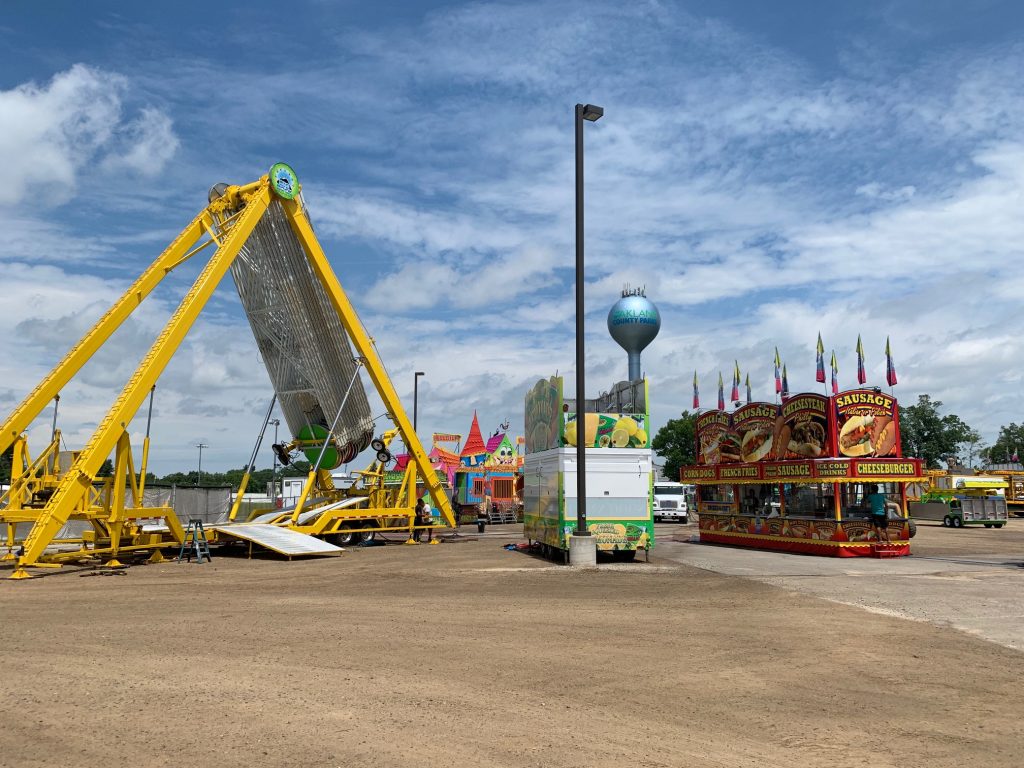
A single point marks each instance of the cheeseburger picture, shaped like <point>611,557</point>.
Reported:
<point>729,448</point>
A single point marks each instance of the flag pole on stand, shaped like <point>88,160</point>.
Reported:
<point>819,362</point>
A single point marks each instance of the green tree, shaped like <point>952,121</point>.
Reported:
<point>106,469</point>
<point>929,436</point>
<point>5,466</point>
<point>972,444</point>
<point>675,444</point>
<point>1011,438</point>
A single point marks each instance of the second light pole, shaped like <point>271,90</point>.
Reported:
<point>273,470</point>
<point>199,471</point>
<point>591,113</point>
<point>416,397</point>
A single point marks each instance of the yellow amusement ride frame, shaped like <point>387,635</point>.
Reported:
<point>53,488</point>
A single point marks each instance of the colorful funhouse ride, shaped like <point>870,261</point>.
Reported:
<point>481,471</point>
<point>795,475</point>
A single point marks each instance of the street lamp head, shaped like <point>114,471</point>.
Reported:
<point>420,373</point>
<point>592,112</point>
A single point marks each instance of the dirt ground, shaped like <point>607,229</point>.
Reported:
<point>465,654</point>
<point>934,540</point>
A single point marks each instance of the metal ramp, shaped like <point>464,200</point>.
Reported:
<point>310,515</point>
<point>284,541</point>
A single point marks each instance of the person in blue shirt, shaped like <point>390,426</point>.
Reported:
<point>879,514</point>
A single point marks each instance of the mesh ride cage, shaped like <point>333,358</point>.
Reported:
<point>305,348</point>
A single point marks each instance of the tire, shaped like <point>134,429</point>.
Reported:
<point>366,537</point>
<point>957,522</point>
<point>999,525</point>
<point>624,555</point>
<point>988,525</point>
<point>346,536</point>
<point>912,528</point>
<point>947,521</point>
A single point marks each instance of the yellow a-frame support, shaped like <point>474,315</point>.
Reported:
<point>227,221</point>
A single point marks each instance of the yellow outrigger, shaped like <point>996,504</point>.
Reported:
<point>47,491</point>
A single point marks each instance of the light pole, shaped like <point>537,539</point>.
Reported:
<point>415,397</point>
<point>199,472</point>
<point>591,113</point>
<point>273,470</point>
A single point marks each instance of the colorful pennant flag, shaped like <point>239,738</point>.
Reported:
<point>785,381</point>
<point>696,393</point>
<point>778,376</point>
<point>890,368</point>
<point>721,392</point>
<point>820,361</point>
<point>862,377</point>
<point>735,394</point>
<point>749,398</point>
<point>835,374</point>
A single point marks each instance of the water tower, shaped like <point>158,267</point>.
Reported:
<point>633,322</point>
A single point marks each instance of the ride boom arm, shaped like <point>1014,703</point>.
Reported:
<point>78,480</point>
<point>364,347</point>
<point>88,345</point>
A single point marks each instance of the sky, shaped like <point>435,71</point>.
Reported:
<point>768,171</point>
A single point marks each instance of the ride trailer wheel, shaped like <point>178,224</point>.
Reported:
<point>957,522</point>
<point>346,536</point>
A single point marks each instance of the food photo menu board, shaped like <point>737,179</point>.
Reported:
<point>866,424</point>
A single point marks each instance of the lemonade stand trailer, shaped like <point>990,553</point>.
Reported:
<point>616,428</point>
<point>618,499</point>
<point>814,506</point>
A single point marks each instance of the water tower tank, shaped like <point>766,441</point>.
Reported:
<point>633,322</point>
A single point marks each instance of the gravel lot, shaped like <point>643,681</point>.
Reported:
<point>466,654</point>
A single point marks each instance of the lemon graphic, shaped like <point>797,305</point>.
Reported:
<point>604,440</point>
<point>627,424</point>
<point>640,437</point>
<point>570,433</point>
<point>620,438</point>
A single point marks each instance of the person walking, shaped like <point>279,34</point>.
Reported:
<point>419,519</point>
<point>879,512</point>
<point>428,517</point>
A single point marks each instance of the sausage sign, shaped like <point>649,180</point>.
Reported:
<point>859,423</point>
<point>866,424</point>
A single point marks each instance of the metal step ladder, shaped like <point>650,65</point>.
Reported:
<point>501,515</point>
<point>195,542</point>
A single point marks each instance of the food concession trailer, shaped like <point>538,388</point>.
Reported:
<point>795,476</point>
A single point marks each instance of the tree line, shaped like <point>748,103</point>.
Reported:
<point>233,477</point>
<point>925,433</point>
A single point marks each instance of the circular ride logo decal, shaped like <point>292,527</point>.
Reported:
<point>283,181</point>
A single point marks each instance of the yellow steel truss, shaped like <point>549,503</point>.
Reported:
<point>227,223</point>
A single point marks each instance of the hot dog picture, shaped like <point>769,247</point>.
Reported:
<point>855,436</point>
<point>756,444</point>
<point>883,436</point>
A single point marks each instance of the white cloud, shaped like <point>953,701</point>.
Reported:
<point>51,133</point>
<point>146,145</point>
<point>759,202</point>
